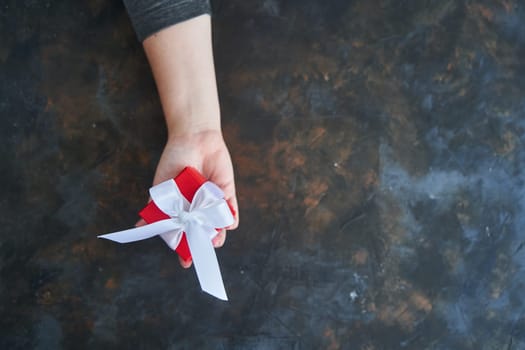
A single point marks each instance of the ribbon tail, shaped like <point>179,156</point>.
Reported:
<point>143,232</point>
<point>205,262</point>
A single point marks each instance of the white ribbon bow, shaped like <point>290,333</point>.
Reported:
<point>198,220</point>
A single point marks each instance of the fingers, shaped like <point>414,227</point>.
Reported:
<point>185,264</point>
<point>218,242</point>
<point>232,202</point>
<point>219,239</point>
<point>228,187</point>
<point>139,223</point>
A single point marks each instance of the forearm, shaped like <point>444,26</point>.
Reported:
<point>179,50</point>
<point>181,59</point>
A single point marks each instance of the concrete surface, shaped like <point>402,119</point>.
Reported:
<point>378,148</point>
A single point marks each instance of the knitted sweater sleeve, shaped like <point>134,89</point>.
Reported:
<point>151,16</point>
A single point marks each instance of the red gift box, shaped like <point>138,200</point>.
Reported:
<point>189,180</point>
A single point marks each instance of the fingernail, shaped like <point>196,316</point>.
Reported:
<point>185,263</point>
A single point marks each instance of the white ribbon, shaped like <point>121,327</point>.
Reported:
<point>198,220</point>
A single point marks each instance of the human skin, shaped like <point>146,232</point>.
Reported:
<point>181,59</point>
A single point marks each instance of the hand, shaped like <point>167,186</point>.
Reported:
<point>181,60</point>
<point>206,152</point>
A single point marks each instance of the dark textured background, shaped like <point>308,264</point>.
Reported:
<point>378,147</point>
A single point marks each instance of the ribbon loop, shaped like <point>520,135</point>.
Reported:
<point>197,219</point>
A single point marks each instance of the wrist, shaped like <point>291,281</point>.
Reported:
<point>195,137</point>
<point>193,120</point>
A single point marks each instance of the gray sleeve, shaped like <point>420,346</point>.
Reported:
<point>150,16</point>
